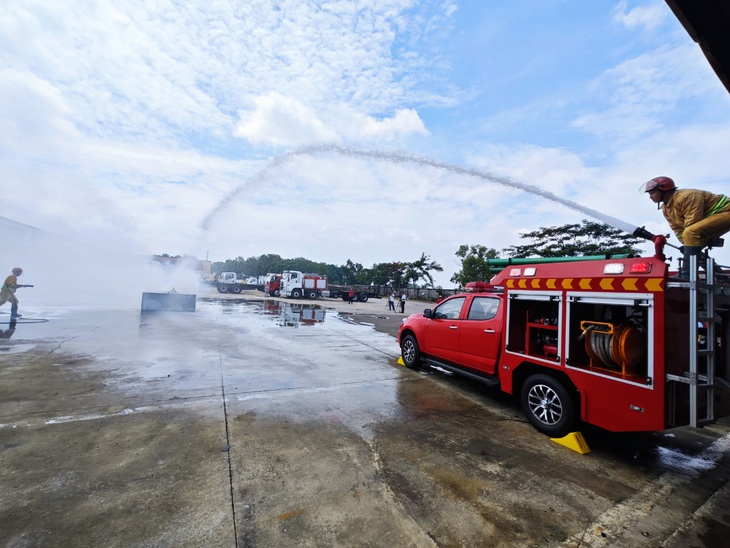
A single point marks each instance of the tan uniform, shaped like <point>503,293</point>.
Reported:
<point>697,216</point>
<point>7,293</point>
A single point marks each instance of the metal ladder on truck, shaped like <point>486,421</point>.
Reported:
<point>702,361</point>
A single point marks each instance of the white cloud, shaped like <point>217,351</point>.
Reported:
<point>282,121</point>
<point>642,94</point>
<point>404,123</point>
<point>649,16</point>
<point>167,72</point>
<point>128,123</point>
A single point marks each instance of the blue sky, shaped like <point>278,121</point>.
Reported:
<point>126,124</point>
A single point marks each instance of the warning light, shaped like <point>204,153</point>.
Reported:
<point>640,268</point>
<point>515,271</point>
<point>613,268</point>
<point>530,271</point>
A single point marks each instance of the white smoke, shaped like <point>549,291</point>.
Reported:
<point>66,273</point>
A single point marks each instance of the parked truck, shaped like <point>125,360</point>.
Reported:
<point>297,284</point>
<point>231,282</point>
<point>617,343</point>
<point>361,292</point>
<point>272,285</point>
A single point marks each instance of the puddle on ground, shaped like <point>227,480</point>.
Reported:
<point>283,314</point>
<point>15,348</point>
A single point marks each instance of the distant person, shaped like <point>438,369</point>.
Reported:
<point>350,296</point>
<point>391,302</point>
<point>7,293</point>
<point>403,303</point>
<point>695,216</point>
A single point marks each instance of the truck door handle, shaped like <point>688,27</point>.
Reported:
<point>453,327</point>
<point>489,330</point>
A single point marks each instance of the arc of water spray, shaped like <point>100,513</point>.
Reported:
<point>401,158</point>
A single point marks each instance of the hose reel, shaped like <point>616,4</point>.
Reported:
<point>619,347</point>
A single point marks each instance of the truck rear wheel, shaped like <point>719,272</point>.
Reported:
<point>410,353</point>
<point>312,295</point>
<point>222,288</point>
<point>363,297</point>
<point>548,405</point>
<point>236,289</point>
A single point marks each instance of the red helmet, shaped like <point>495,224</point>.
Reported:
<point>17,271</point>
<point>659,183</point>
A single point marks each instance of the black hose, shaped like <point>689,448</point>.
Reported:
<point>26,320</point>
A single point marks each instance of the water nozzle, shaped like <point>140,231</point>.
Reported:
<point>658,240</point>
<point>641,232</point>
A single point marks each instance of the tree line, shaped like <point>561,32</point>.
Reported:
<point>570,240</point>
<point>394,274</point>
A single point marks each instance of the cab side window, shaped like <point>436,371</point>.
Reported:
<point>449,310</point>
<point>483,308</point>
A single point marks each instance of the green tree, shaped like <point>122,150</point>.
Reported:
<point>575,240</point>
<point>474,266</point>
<point>351,272</point>
<point>396,274</point>
<point>421,270</point>
<point>386,274</point>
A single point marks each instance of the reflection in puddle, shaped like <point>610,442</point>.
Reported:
<point>283,314</point>
<point>16,348</point>
<point>291,315</point>
<point>692,465</point>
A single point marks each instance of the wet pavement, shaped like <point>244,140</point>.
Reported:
<point>254,422</point>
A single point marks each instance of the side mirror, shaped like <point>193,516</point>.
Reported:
<point>428,313</point>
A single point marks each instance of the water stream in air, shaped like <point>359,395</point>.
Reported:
<point>400,158</point>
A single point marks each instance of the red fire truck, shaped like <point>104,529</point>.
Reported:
<point>297,284</point>
<point>615,343</point>
<point>272,285</point>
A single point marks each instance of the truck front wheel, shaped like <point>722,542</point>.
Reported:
<point>277,293</point>
<point>222,288</point>
<point>410,352</point>
<point>236,289</point>
<point>548,405</point>
<point>296,293</point>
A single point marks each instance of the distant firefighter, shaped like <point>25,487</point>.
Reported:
<point>7,293</point>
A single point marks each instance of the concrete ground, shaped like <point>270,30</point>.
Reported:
<point>255,422</point>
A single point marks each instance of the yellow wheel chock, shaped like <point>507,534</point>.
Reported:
<point>574,441</point>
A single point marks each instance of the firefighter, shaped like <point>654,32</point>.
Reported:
<point>7,293</point>
<point>695,216</point>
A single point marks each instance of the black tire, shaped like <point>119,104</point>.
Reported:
<point>410,353</point>
<point>548,405</point>
<point>277,293</point>
<point>363,297</point>
<point>312,295</point>
<point>222,288</point>
<point>296,293</point>
<point>236,289</point>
